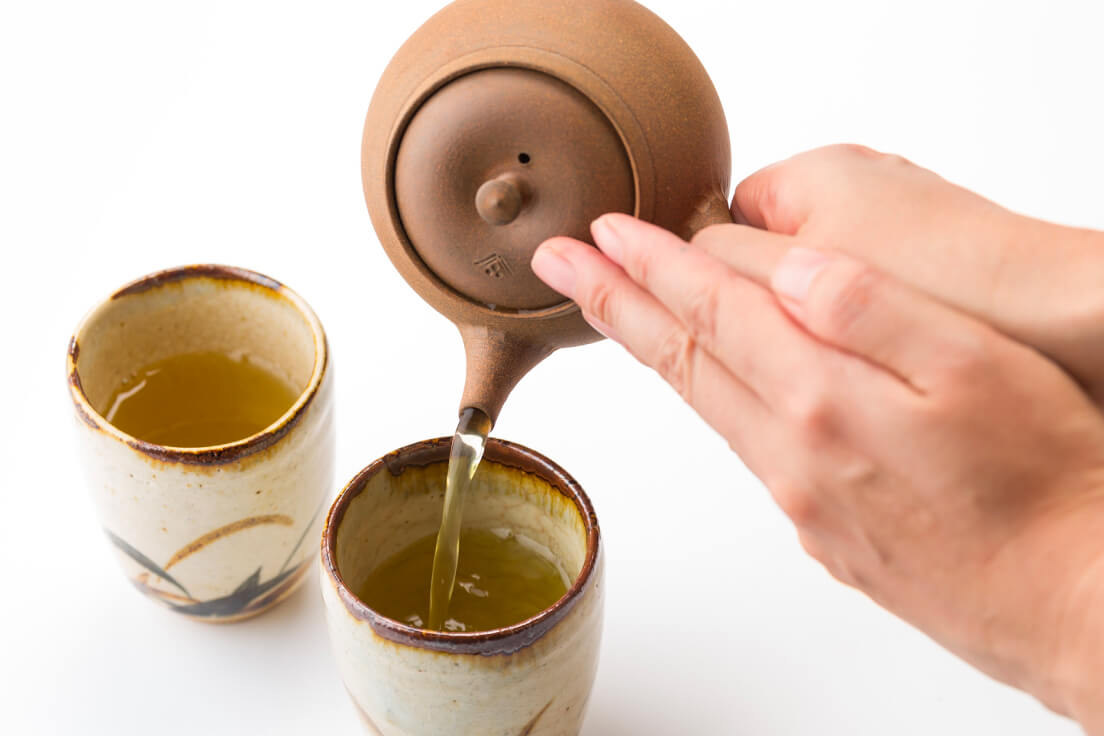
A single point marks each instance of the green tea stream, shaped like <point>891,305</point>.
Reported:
<point>467,451</point>
<point>465,579</point>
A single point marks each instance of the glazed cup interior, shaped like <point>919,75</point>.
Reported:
<point>398,501</point>
<point>195,309</point>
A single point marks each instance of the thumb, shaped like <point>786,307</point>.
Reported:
<point>852,306</point>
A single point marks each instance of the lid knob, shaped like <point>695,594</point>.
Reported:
<point>494,163</point>
<point>500,201</point>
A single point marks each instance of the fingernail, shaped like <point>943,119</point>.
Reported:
<point>607,237</point>
<point>797,271</point>
<point>555,270</point>
<point>603,328</point>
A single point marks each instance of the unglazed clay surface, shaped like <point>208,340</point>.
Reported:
<point>499,125</point>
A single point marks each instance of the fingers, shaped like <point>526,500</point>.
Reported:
<point>780,197</point>
<point>755,254</point>
<point>760,376</point>
<point>858,309</point>
<point>732,318</point>
<point>617,306</point>
<point>760,202</point>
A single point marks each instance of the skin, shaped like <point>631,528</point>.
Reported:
<point>936,236</point>
<point>927,449</point>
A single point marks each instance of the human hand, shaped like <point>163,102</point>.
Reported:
<point>952,474</point>
<point>1037,282</point>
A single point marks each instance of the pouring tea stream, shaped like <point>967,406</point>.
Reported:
<point>499,125</point>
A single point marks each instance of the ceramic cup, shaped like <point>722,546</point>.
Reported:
<point>216,533</point>
<point>532,678</point>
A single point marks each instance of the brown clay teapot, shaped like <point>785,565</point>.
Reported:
<point>501,123</point>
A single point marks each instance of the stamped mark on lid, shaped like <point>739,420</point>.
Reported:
<point>494,266</point>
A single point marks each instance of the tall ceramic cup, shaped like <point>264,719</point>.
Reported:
<point>216,533</point>
<point>533,678</point>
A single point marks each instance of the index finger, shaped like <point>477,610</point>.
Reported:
<point>734,319</point>
<point>657,339</point>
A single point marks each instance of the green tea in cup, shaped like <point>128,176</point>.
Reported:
<point>518,666</point>
<point>204,403</point>
<point>200,399</point>
<point>502,578</point>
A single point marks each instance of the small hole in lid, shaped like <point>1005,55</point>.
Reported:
<point>524,158</point>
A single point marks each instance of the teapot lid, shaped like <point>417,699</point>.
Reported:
<point>493,164</point>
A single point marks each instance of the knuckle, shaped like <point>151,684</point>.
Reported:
<point>858,473</point>
<point>772,192</point>
<point>811,414</point>
<point>828,554</point>
<point>702,313</point>
<point>842,571</point>
<point>968,360</point>
<point>798,504</point>
<point>893,160</point>
<point>639,263</point>
<point>853,150</point>
<point>841,296</point>
<point>599,298</point>
<point>811,544</point>
<point>675,362</point>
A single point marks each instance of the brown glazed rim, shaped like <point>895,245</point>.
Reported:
<point>506,640</point>
<point>216,454</point>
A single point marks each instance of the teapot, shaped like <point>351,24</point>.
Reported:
<point>502,123</point>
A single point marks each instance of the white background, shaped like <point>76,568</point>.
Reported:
<point>140,135</point>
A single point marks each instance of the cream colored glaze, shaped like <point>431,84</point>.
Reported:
<point>409,690</point>
<point>209,527</point>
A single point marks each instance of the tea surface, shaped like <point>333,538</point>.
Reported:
<point>199,400</point>
<point>502,579</point>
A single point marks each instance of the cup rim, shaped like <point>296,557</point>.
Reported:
<point>214,454</point>
<point>505,640</point>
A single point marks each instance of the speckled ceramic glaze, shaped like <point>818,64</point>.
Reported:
<point>216,533</point>
<point>533,678</point>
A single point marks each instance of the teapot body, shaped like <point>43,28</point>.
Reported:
<point>580,107</point>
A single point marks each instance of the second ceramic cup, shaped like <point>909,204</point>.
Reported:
<point>216,533</point>
<point>533,678</point>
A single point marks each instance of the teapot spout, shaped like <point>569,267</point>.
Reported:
<point>497,361</point>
